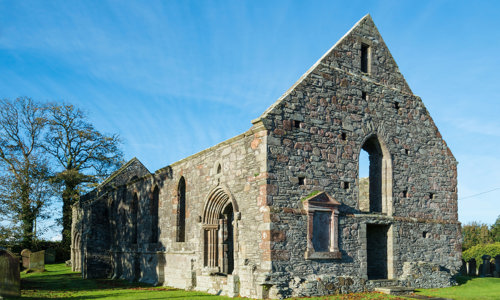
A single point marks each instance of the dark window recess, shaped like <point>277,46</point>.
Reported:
<point>219,169</point>
<point>364,95</point>
<point>321,231</point>
<point>425,234</point>
<point>302,180</point>
<point>431,196</point>
<point>343,136</point>
<point>407,151</point>
<point>405,194</point>
<point>345,185</point>
<point>296,124</point>
<point>365,49</point>
<point>396,105</point>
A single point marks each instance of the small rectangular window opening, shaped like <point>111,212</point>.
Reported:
<point>296,124</point>
<point>365,49</point>
<point>405,194</point>
<point>343,136</point>
<point>431,196</point>
<point>396,105</point>
<point>345,185</point>
<point>364,95</point>
<point>407,151</point>
<point>301,180</point>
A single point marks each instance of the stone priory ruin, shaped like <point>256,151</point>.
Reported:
<point>277,211</point>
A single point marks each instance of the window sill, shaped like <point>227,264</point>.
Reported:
<point>323,255</point>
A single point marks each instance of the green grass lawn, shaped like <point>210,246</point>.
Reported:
<point>472,288</point>
<point>59,282</point>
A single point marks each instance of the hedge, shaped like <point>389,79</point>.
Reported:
<point>479,250</point>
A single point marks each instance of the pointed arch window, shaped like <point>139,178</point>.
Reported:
<point>134,208</point>
<point>181,211</point>
<point>375,191</point>
<point>154,214</point>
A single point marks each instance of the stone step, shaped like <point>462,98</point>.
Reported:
<point>383,282</point>
<point>395,290</point>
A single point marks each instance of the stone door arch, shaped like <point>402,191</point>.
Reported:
<point>219,232</point>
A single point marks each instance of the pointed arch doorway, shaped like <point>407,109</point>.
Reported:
<point>218,232</point>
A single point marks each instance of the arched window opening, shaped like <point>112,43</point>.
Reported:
<point>181,211</point>
<point>154,215</point>
<point>134,218</point>
<point>218,233</point>
<point>219,169</point>
<point>375,178</point>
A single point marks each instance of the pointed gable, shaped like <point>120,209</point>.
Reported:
<point>346,56</point>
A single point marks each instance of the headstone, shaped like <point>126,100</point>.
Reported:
<point>10,278</point>
<point>463,268</point>
<point>486,270</point>
<point>497,266</point>
<point>50,256</point>
<point>37,261</point>
<point>471,267</point>
<point>25,255</point>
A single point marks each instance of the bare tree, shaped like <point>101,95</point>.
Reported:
<point>83,154</point>
<point>24,171</point>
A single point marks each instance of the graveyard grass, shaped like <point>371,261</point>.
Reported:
<point>58,281</point>
<point>470,288</point>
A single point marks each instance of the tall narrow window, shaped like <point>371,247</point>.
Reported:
<point>134,218</point>
<point>181,211</point>
<point>375,177</point>
<point>154,215</point>
<point>365,58</point>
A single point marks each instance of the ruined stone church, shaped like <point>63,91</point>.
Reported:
<point>280,210</point>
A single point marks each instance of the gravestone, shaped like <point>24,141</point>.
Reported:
<point>10,280</point>
<point>37,261</point>
<point>463,268</point>
<point>496,273</point>
<point>486,269</point>
<point>25,256</point>
<point>50,256</point>
<point>471,267</point>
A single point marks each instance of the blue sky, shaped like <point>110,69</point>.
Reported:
<point>175,77</point>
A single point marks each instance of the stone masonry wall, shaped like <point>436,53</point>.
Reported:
<point>110,211</point>
<point>317,130</point>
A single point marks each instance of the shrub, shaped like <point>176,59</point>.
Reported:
<point>479,250</point>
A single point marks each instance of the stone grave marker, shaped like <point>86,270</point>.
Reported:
<point>496,273</point>
<point>25,256</point>
<point>486,269</point>
<point>463,268</point>
<point>37,261</point>
<point>50,256</point>
<point>10,278</point>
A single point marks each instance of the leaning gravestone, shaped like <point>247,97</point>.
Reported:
<point>50,256</point>
<point>497,266</point>
<point>25,255</point>
<point>486,269</point>
<point>37,261</point>
<point>10,279</point>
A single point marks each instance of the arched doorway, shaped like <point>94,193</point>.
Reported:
<point>218,232</point>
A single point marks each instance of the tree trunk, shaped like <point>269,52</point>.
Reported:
<point>27,218</point>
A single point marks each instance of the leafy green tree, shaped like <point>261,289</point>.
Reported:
<point>475,233</point>
<point>495,231</point>
<point>23,167</point>
<point>83,155</point>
